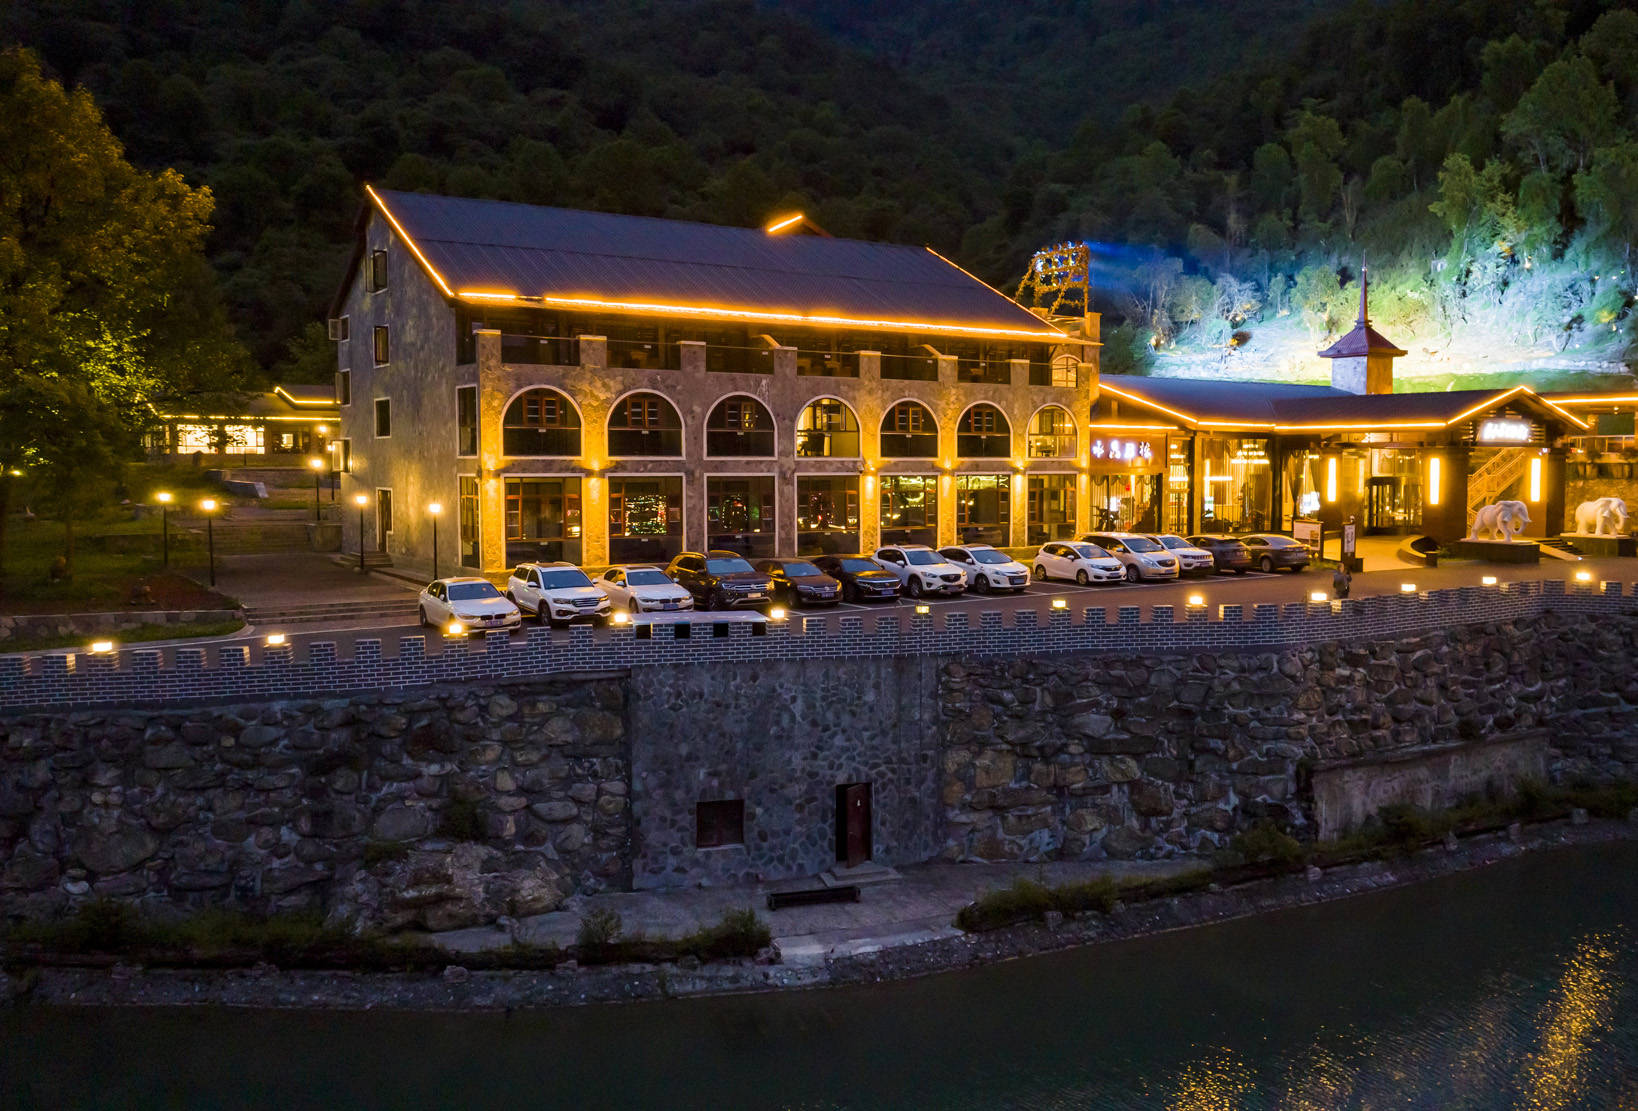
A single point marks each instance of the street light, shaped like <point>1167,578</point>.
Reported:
<point>335,466</point>
<point>318,468</point>
<point>435,509</point>
<point>208,506</point>
<point>361,501</point>
<point>164,500</point>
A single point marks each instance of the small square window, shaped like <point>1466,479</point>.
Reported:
<point>344,387</point>
<point>719,823</point>
<point>381,349</point>
<point>383,417</point>
<point>378,271</point>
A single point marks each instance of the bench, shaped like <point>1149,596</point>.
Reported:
<point>812,896</point>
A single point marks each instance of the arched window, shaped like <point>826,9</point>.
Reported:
<point>741,426</point>
<point>540,422</point>
<point>1052,434</point>
<point>645,424</point>
<point>984,434</point>
<point>909,432</point>
<point>827,427</point>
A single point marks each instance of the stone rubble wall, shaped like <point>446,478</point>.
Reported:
<point>1075,757</point>
<point>32,626</point>
<point>434,809</point>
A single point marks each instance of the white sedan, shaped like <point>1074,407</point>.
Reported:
<point>1078,560</point>
<point>1190,559</point>
<point>641,588</point>
<point>987,568</point>
<point>473,602</point>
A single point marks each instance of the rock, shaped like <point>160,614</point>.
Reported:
<point>259,736</point>
<point>1124,843</point>
<point>559,811</point>
<point>467,885</point>
<point>1313,873</point>
<point>1053,919</point>
<point>1152,800</point>
<point>29,870</point>
<point>1578,816</point>
<point>1090,725</point>
<point>165,757</point>
<point>1085,821</point>
<point>119,850</point>
<point>1120,769</point>
<point>994,769</point>
<point>402,823</point>
<point>456,974</point>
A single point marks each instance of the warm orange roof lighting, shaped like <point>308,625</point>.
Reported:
<point>488,295</point>
<point>1100,426</point>
<point>998,293</point>
<point>1107,388</point>
<point>405,236</point>
<point>733,312</point>
<point>280,390</point>
<point>781,224</point>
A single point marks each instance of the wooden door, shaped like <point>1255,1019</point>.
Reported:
<point>383,518</point>
<point>856,823</point>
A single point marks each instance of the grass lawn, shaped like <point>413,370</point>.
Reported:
<point>103,580</point>
<point>126,637</point>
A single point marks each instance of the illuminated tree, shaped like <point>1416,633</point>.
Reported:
<point>105,299</point>
<point>1315,142</point>
<point>1563,116</point>
<point>1606,195</point>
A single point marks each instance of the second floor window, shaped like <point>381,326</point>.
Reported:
<point>344,387</point>
<point>383,417</point>
<point>377,271</point>
<point>382,351</point>
<point>466,420</point>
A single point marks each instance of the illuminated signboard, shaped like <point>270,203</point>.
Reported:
<point>1127,456</point>
<point>1502,430</point>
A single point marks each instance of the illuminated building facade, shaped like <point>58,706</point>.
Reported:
<point>599,388</point>
<point>283,427</point>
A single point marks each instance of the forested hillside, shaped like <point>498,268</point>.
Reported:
<point>1230,162</point>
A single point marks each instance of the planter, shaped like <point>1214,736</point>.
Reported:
<point>324,536</point>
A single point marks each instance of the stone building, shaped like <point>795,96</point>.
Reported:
<point>600,388</point>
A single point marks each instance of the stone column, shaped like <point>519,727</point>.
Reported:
<point>492,393</point>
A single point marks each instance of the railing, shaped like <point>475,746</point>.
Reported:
<point>645,441</point>
<point>824,444</point>
<point>909,445</point>
<point>739,441</point>
<point>910,368</point>
<point>629,354</point>
<point>984,445</point>
<point>540,441</point>
<point>1498,473</point>
<point>739,360</point>
<point>827,364</point>
<point>1045,374</point>
<point>540,350</point>
<point>989,372</point>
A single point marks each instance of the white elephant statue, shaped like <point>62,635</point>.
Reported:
<point>1601,517</point>
<point>1503,520</point>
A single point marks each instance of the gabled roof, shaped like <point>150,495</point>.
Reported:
<point>1276,406</point>
<point>496,251</point>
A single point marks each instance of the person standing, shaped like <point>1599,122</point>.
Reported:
<point>1341,580</point>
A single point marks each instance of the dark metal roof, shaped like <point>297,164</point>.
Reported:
<point>491,246</point>
<point>1364,339</point>
<point>1222,401</point>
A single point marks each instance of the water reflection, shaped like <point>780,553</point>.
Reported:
<point>1509,988</point>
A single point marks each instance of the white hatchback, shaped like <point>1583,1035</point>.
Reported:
<point>987,568</point>
<point>557,592</point>
<point>921,570</point>
<point>642,588</point>
<point>1074,559</point>
<point>474,602</point>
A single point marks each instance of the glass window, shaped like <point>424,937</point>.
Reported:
<point>543,520</point>
<point>909,509</point>
<point>827,428</point>
<point>827,514</point>
<point>1125,503</point>
<point>540,422</point>
<point>983,509</point>
<point>1050,507</point>
<point>1052,434</point>
<point>471,592</point>
<point>645,424</point>
<point>909,432</point>
<point>984,433</point>
<point>719,823</point>
<point>377,272</point>
<point>466,420</point>
<point>383,417</point>
<point>382,351</point>
<point>739,426</point>
<point>739,515</point>
<point>1237,489</point>
<point>344,387</point>
<point>645,519</point>
<point>562,578</point>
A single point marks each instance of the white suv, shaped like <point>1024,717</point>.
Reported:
<point>1142,557</point>
<point>987,568</point>
<point>556,592</point>
<point>921,570</point>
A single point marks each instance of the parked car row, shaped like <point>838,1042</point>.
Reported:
<point>561,593</point>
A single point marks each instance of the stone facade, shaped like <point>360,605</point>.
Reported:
<point>436,809</point>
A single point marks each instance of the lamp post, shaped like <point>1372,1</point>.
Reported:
<point>333,447</point>
<point>435,509</point>
<point>361,501</point>
<point>164,500</point>
<point>318,468</point>
<point>208,507</point>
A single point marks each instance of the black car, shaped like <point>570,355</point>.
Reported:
<point>721,580</point>
<point>862,578</point>
<point>799,583</point>
<point>1227,553</point>
<point>1272,552</point>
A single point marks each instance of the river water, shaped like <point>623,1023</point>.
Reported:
<point>1513,987</point>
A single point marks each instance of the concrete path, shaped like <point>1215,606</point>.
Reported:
<point>292,579</point>
<point>921,906</point>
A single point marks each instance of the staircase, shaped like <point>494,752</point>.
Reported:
<point>401,611</point>
<point>1493,479</point>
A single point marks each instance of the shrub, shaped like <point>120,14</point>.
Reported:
<point>1024,900</point>
<point>598,929</point>
<point>740,934</point>
<point>1266,843</point>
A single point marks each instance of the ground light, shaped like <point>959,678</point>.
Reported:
<point>1060,603</point>
<point>1583,576</point>
<point>455,629</point>
<point>1197,600</point>
<point>1489,580</point>
<point>275,639</point>
<point>1407,588</point>
<point>924,609</point>
<point>102,647</point>
<point>777,613</point>
<point>1318,596</point>
<point>621,618</point>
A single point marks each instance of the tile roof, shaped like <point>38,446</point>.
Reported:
<point>530,250</point>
